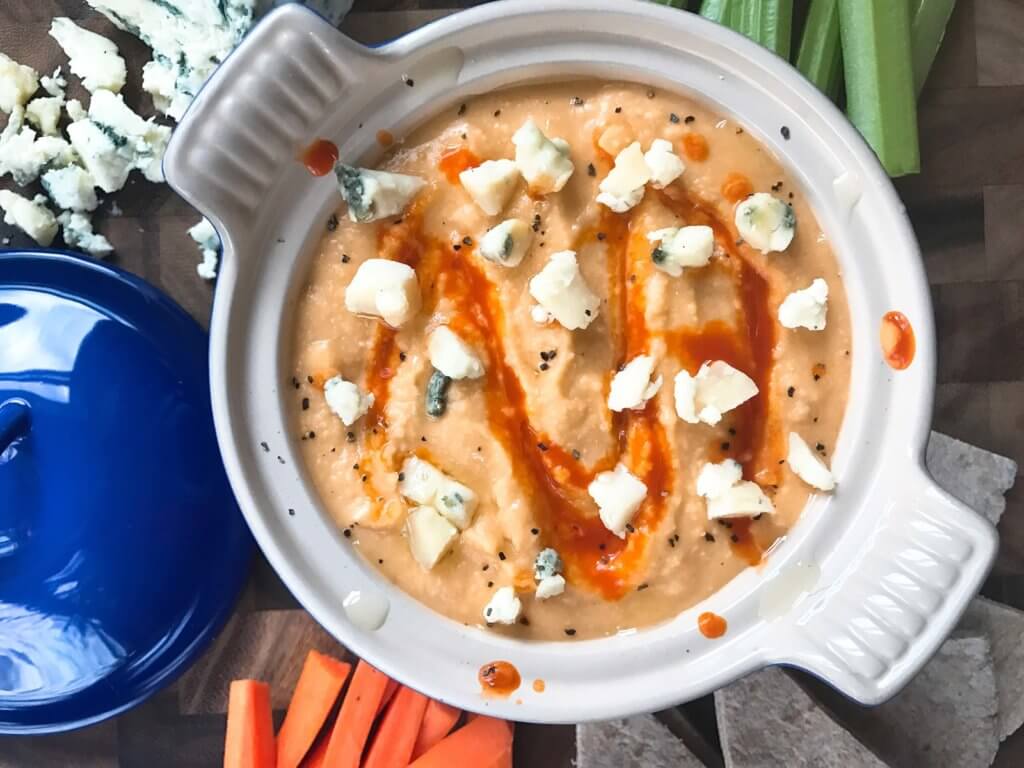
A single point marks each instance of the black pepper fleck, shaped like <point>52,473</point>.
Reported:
<point>601,235</point>
<point>734,538</point>
<point>576,454</point>
<point>535,531</point>
<point>305,403</point>
<point>332,222</point>
<point>524,621</point>
<point>544,366</point>
<point>486,566</point>
<point>265,447</point>
<point>345,259</point>
<point>402,356</point>
<point>497,112</point>
<point>501,556</point>
<point>709,536</point>
<point>401,476</point>
<point>456,247</point>
<point>347,533</point>
<point>576,101</point>
<point>490,583</point>
<point>591,170</point>
<point>467,240</point>
<point>280,460</point>
<point>462,110</point>
<point>689,119</point>
<point>641,587</point>
<point>673,117</point>
<point>820,448</point>
<point>570,631</point>
<point>350,436</point>
<point>291,512</point>
<point>542,446</point>
<point>364,478</point>
<point>791,391</point>
<point>295,382</point>
<point>725,446</point>
<point>630,528</point>
<point>309,379</point>
<point>536,222</point>
<point>408,81</point>
<point>785,132</point>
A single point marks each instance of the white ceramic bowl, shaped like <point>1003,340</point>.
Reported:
<point>892,559</point>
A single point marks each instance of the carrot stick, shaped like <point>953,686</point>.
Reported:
<point>319,684</point>
<point>438,721</point>
<point>358,711</point>
<point>483,742</point>
<point>316,756</point>
<point>389,693</point>
<point>249,741</point>
<point>397,732</point>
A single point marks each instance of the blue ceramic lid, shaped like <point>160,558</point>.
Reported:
<point>122,551</point>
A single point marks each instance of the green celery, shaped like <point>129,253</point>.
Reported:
<point>820,57</point>
<point>880,98</point>
<point>720,11</point>
<point>768,22</point>
<point>672,3</point>
<point>928,26</point>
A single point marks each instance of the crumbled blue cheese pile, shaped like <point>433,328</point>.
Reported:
<point>440,507</point>
<point>102,144</point>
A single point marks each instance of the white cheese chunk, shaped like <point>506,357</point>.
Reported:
<point>348,402</point>
<point>491,184</point>
<point>550,586</point>
<point>806,308</point>
<point>681,247</point>
<point>206,237</point>
<point>430,536</point>
<point>113,140</point>
<point>503,608</point>
<point>189,39</point>
<point>425,484</point>
<point>716,389</point>
<point>71,188</point>
<point>44,114</point>
<point>79,234</point>
<point>632,387</point>
<point>92,57</point>
<point>75,110</point>
<point>807,466</point>
<point>547,563</point>
<point>23,155</point>
<point>623,187</point>
<point>561,290</point>
<point>543,162</point>
<point>618,495</point>
<point>17,83</point>
<point>765,222</point>
<point>728,495</point>
<point>664,164</point>
<point>540,316</point>
<point>30,216</point>
<point>373,195</point>
<point>54,84</point>
<point>385,289</point>
<point>507,243</point>
<point>452,356</point>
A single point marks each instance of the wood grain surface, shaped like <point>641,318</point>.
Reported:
<point>967,207</point>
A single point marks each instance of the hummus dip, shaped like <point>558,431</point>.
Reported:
<point>527,429</point>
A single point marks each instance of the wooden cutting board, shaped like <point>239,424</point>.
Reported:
<point>967,207</point>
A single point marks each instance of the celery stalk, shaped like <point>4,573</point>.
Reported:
<point>928,26</point>
<point>768,22</point>
<point>672,3</point>
<point>879,71</point>
<point>719,11</point>
<point>820,58</point>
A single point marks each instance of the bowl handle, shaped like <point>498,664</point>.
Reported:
<point>255,114</point>
<point>871,629</point>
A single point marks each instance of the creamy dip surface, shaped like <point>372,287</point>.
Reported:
<point>531,434</point>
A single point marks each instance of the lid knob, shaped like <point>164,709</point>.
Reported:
<point>15,418</point>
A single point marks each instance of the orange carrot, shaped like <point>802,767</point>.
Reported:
<point>358,711</point>
<point>249,742</point>
<point>389,693</point>
<point>316,756</point>
<point>319,684</point>
<point>396,734</point>
<point>483,742</point>
<point>438,721</point>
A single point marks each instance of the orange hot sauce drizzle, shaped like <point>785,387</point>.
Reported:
<point>711,625</point>
<point>385,138</point>
<point>320,157</point>
<point>499,678</point>
<point>736,187</point>
<point>557,482</point>
<point>898,342</point>
<point>695,147</point>
<point>456,160</point>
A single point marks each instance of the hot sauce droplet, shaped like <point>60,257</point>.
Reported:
<point>320,157</point>
<point>539,685</point>
<point>736,187</point>
<point>696,147</point>
<point>499,678</point>
<point>455,161</point>
<point>384,138</point>
<point>711,625</point>
<point>898,344</point>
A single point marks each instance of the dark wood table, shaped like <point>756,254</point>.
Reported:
<point>967,207</point>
